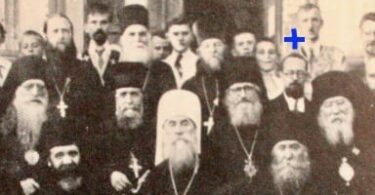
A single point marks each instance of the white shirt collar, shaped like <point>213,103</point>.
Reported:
<point>92,50</point>
<point>188,65</point>
<point>292,103</point>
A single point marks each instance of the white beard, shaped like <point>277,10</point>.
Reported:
<point>245,113</point>
<point>337,132</point>
<point>30,118</point>
<point>182,155</point>
<point>142,54</point>
<point>292,175</point>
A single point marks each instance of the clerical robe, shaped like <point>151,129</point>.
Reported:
<point>230,155</point>
<point>160,181</point>
<point>130,152</point>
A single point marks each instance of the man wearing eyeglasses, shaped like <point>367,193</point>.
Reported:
<point>295,76</point>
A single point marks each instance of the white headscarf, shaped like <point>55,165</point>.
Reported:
<point>176,103</point>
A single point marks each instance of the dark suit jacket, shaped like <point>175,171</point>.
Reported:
<point>279,104</point>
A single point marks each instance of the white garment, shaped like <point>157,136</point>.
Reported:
<point>5,68</point>
<point>173,103</point>
<point>292,103</point>
<point>188,66</point>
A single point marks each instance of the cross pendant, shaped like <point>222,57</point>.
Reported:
<point>62,108</point>
<point>134,165</point>
<point>209,124</point>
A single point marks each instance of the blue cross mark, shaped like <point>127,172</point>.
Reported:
<point>294,39</point>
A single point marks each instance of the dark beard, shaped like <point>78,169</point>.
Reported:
<point>294,90</point>
<point>100,37</point>
<point>61,59</point>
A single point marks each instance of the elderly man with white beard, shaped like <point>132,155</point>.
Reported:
<point>136,47</point>
<point>237,139</point>
<point>22,123</point>
<point>344,145</point>
<point>289,167</point>
<point>125,142</point>
<point>179,168</point>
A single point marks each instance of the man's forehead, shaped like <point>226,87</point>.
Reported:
<point>245,35</point>
<point>310,13</point>
<point>210,41</point>
<point>64,148</point>
<point>294,63</point>
<point>127,89</point>
<point>98,15</point>
<point>178,117</point>
<point>287,143</point>
<point>336,98</point>
<point>159,40</point>
<point>179,27</point>
<point>242,84</point>
<point>135,28</point>
<point>33,82</point>
<point>368,25</point>
<point>58,21</point>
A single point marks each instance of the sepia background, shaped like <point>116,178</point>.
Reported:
<point>271,18</point>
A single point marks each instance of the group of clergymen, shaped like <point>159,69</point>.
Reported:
<point>222,119</point>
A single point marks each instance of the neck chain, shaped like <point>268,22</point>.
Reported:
<point>211,109</point>
<point>174,185</point>
<point>248,154</point>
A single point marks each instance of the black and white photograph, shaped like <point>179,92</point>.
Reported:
<point>187,97</point>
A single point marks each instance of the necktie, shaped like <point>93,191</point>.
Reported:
<point>100,57</point>
<point>177,64</point>
<point>296,106</point>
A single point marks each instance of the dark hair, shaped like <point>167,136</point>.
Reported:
<point>100,8</point>
<point>178,21</point>
<point>45,25</point>
<point>238,32</point>
<point>293,55</point>
<point>35,34</point>
<point>368,16</point>
<point>159,33</point>
<point>307,7</point>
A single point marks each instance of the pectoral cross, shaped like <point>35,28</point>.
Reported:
<point>62,108</point>
<point>134,165</point>
<point>209,124</point>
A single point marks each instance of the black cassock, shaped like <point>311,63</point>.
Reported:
<point>159,79</point>
<point>331,165</point>
<point>66,83</point>
<point>160,181</point>
<point>13,165</point>
<point>130,152</point>
<point>230,156</point>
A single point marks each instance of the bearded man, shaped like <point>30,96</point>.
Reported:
<point>136,47</point>
<point>98,58</point>
<point>179,168</point>
<point>64,170</point>
<point>22,123</point>
<point>344,141</point>
<point>237,139</point>
<point>122,149</point>
<point>207,83</point>
<point>67,98</point>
